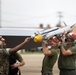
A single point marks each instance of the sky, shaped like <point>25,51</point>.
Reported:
<point>31,13</point>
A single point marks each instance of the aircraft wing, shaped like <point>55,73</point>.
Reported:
<point>18,31</point>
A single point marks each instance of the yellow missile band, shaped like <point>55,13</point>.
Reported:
<point>38,39</point>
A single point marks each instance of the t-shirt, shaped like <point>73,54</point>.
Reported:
<point>67,62</point>
<point>49,61</point>
<point>13,58</point>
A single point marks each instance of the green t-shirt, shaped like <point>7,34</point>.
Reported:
<point>67,62</point>
<point>49,61</point>
<point>18,57</point>
<point>14,58</point>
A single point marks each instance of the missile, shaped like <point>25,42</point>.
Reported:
<point>38,36</point>
<point>44,32</point>
<point>49,33</point>
<point>58,32</point>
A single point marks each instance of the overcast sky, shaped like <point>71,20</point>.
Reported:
<point>30,13</point>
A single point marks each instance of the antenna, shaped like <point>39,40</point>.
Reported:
<point>73,25</point>
<point>65,23</point>
<point>60,16</point>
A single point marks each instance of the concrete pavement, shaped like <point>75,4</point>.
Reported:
<point>33,64</point>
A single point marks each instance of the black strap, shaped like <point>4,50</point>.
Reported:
<point>19,71</point>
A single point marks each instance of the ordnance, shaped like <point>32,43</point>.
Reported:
<point>49,33</point>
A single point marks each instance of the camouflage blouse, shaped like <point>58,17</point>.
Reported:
<point>4,64</point>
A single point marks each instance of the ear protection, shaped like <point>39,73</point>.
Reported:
<point>72,35</point>
<point>0,43</point>
<point>55,39</point>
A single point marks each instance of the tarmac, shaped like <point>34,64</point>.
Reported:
<point>33,64</point>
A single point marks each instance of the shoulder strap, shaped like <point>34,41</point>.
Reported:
<point>19,71</point>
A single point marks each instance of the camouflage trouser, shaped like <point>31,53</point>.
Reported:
<point>47,73</point>
<point>68,72</point>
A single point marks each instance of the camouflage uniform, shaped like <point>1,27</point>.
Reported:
<point>4,64</point>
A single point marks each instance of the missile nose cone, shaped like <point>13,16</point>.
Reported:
<point>38,39</point>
